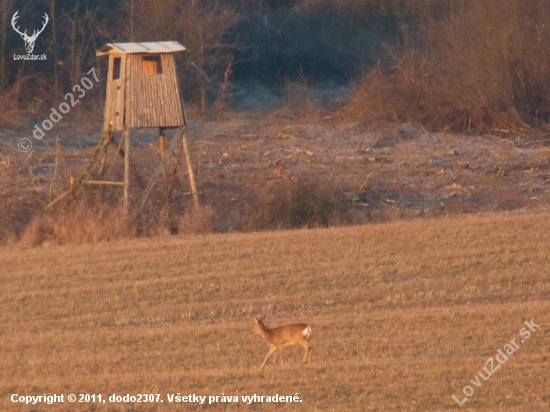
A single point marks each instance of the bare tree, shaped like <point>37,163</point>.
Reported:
<point>200,26</point>
<point>5,11</point>
<point>79,28</point>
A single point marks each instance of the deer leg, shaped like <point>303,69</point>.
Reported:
<point>307,353</point>
<point>271,350</point>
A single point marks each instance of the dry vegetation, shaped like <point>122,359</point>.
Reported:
<point>468,66</point>
<point>404,315</point>
<point>268,171</point>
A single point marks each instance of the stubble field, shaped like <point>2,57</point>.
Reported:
<point>404,316</point>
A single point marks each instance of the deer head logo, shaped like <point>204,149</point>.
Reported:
<point>29,40</point>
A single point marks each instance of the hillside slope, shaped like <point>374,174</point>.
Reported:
<point>404,316</point>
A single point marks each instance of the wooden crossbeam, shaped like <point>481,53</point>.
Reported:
<point>96,160</point>
<point>121,153</point>
<point>103,182</point>
<point>177,145</point>
<point>178,140</point>
<point>172,149</point>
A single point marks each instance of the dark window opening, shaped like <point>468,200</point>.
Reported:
<point>116,68</point>
<point>151,65</point>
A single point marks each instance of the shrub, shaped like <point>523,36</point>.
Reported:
<point>286,204</point>
<point>468,66</point>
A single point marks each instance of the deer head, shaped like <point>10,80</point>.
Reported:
<point>29,40</point>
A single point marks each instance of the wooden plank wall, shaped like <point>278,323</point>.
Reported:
<point>152,100</point>
<point>114,99</point>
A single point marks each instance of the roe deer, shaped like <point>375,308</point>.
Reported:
<point>278,338</point>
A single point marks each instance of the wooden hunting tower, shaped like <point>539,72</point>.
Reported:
<point>142,87</point>
<point>142,92</point>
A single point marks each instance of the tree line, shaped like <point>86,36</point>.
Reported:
<point>461,64</point>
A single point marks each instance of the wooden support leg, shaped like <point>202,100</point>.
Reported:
<point>162,147</point>
<point>190,171</point>
<point>126,169</point>
<point>176,140</point>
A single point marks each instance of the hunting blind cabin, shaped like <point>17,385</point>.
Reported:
<point>142,92</point>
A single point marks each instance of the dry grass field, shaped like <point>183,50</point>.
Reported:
<point>404,315</point>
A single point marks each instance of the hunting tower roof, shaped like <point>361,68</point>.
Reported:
<point>145,47</point>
